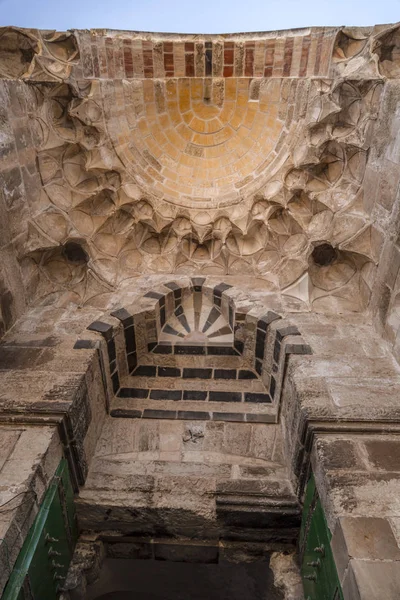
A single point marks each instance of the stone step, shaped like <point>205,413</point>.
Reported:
<point>235,387</point>
<point>138,408</point>
<point>229,375</point>
<point>195,349</point>
<point>170,388</point>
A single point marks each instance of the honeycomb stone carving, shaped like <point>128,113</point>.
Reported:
<point>349,43</point>
<point>94,189</point>
<point>214,174</point>
<point>37,56</point>
<point>363,53</point>
<point>387,48</point>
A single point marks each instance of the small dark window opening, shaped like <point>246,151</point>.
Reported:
<point>324,255</point>
<point>74,253</point>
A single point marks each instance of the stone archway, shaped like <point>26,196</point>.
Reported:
<point>241,367</point>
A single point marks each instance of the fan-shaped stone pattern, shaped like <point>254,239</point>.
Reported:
<point>197,321</point>
<point>199,143</point>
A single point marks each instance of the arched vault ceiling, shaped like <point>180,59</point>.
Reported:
<point>226,155</point>
<point>202,143</point>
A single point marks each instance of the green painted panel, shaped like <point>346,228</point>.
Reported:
<point>318,568</point>
<point>43,562</point>
<point>305,521</point>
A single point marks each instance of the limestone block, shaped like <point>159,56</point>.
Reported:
<point>364,539</point>
<point>372,580</point>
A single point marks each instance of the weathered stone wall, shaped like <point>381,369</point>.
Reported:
<point>382,195</point>
<point>17,176</point>
<point>358,478</point>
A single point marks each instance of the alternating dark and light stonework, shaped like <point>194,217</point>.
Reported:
<point>199,297</point>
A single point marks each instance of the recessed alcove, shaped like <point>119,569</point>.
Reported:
<point>200,236</point>
<point>192,352</point>
<point>124,579</point>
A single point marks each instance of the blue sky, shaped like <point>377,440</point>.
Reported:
<point>200,16</point>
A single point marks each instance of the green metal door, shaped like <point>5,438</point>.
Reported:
<point>43,562</point>
<point>320,579</point>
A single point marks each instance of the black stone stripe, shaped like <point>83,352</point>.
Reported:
<point>130,339</point>
<point>133,393</point>
<point>192,350</point>
<point>194,395</point>
<point>226,330</point>
<point>282,332</point>
<point>126,413</point>
<point>164,348</point>
<point>277,350</point>
<point>169,372</point>
<point>105,329</point>
<point>197,283</point>
<point>155,295</point>
<point>184,322</point>
<point>260,344</point>
<point>132,361</point>
<point>172,285</point>
<point>145,371</point>
<point>239,346</point>
<point>166,394</point>
<point>190,373</point>
<point>162,316</point>
<point>195,415</point>
<point>231,316</point>
<point>267,319</point>
<point>112,352</point>
<point>171,331</point>
<point>124,316</point>
<point>212,317</point>
<point>84,344</point>
<point>115,382</point>
<point>214,396</point>
<point>246,374</point>
<point>218,416</point>
<point>225,373</point>
<point>149,413</point>
<point>179,310</point>
<point>190,415</point>
<point>221,287</point>
<point>257,397</point>
<point>222,351</point>
<point>272,386</point>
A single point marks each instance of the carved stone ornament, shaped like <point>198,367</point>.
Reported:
<point>169,169</point>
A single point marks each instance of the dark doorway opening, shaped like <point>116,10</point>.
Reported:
<point>125,579</point>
